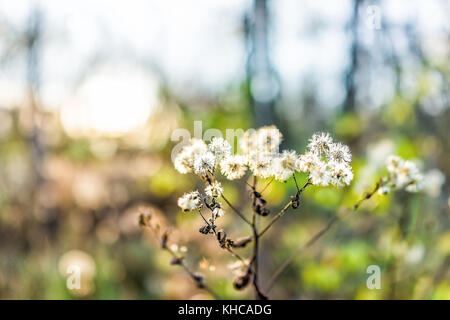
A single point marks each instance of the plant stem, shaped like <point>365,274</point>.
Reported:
<point>236,210</point>
<point>180,261</point>
<point>193,276</point>
<point>267,185</point>
<point>311,241</point>
<point>316,237</point>
<point>204,219</point>
<point>234,254</point>
<point>295,180</point>
<point>258,293</point>
<point>282,211</point>
<point>367,196</point>
<point>275,218</point>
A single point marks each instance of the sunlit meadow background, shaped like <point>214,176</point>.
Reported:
<point>90,92</point>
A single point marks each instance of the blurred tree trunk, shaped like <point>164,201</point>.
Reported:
<point>33,39</point>
<point>350,98</point>
<point>263,80</point>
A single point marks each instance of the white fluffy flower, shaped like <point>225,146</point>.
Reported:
<point>239,267</point>
<point>220,148</point>
<point>198,146</point>
<point>264,140</point>
<point>393,163</point>
<point>218,212</point>
<point>416,185</point>
<point>383,190</point>
<point>284,165</point>
<point>433,181</point>
<point>190,201</point>
<point>407,174</point>
<point>404,174</point>
<point>268,139</point>
<point>306,161</point>
<point>320,143</point>
<point>341,174</point>
<point>261,165</point>
<point>245,142</point>
<point>214,190</point>
<point>319,174</point>
<point>339,152</point>
<point>204,163</point>
<point>233,167</point>
<point>184,160</point>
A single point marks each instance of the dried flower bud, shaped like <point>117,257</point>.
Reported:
<point>241,242</point>
<point>200,279</point>
<point>261,296</point>
<point>164,239</point>
<point>259,206</point>
<point>144,219</point>
<point>176,261</point>
<point>222,237</point>
<point>205,229</point>
<point>295,201</point>
<point>241,282</point>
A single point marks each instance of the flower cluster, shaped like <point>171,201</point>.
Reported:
<point>403,175</point>
<point>327,162</point>
<point>433,181</point>
<point>214,190</point>
<point>184,162</point>
<point>190,201</point>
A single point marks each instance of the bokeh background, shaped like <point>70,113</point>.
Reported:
<point>90,92</point>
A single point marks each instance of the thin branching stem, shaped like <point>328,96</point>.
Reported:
<point>316,237</point>
<point>285,208</point>
<point>234,254</point>
<point>267,185</point>
<point>200,283</point>
<point>368,195</point>
<point>310,242</point>
<point>308,183</point>
<point>248,184</point>
<point>204,219</point>
<point>199,280</point>
<point>236,210</point>
<point>275,218</point>
<point>254,261</point>
<point>296,184</point>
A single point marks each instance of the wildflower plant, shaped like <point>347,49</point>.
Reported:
<point>325,162</point>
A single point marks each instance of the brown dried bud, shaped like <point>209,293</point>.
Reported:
<point>295,201</point>
<point>164,239</point>
<point>261,296</point>
<point>241,282</point>
<point>199,279</point>
<point>241,242</point>
<point>144,219</point>
<point>259,206</point>
<point>176,261</point>
<point>222,238</point>
<point>204,229</point>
